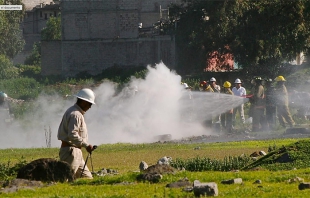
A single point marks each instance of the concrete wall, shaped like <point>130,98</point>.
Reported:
<point>51,58</point>
<point>95,56</point>
<point>93,19</point>
<point>100,34</point>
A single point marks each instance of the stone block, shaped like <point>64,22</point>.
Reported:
<point>232,181</point>
<point>209,189</point>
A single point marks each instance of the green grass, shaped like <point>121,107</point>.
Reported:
<point>126,158</point>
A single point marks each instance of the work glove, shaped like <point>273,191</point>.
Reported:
<point>89,148</point>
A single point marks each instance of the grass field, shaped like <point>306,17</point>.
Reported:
<point>125,158</point>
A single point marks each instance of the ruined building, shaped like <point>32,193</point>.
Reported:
<point>98,34</point>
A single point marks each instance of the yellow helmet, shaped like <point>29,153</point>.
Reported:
<point>227,84</point>
<point>279,78</point>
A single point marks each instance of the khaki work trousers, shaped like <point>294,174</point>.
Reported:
<point>74,157</point>
<point>284,116</point>
<point>240,109</point>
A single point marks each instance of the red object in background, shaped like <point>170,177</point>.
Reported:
<point>217,61</point>
<point>248,96</point>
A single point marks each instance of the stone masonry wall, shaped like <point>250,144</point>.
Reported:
<point>105,19</point>
<point>51,58</point>
<point>95,56</point>
<point>97,34</point>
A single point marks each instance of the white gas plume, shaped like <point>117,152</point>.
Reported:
<point>145,109</point>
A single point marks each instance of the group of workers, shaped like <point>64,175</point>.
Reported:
<point>73,133</point>
<point>265,101</point>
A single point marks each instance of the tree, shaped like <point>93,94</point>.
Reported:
<point>35,57</point>
<point>260,34</point>
<point>52,31</point>
<point>7,69</point>
<point>11,41</point>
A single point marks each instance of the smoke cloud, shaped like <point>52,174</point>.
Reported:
<point>145,109</point>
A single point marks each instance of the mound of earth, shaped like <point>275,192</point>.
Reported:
<point>46,169</point>
<point>296,155</point>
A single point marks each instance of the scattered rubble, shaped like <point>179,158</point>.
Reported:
<point>164,160</point>
<point>181,183</point>
<point>143,166</point>
<point>17,184</point>
<point>296,179</point>
<point>303,186</point>
<point>257,181</point>
<point>154,173</point>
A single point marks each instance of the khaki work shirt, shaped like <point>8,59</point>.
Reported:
<point>72,128</point>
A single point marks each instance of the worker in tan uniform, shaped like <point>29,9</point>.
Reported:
<point>284,114</point>
<point>257,104</point>
<point>73,134</point>
<point>227,117</point>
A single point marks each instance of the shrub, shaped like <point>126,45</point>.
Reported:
<point>21,88</point>
<point>206,164</point>
<point>7,69</point>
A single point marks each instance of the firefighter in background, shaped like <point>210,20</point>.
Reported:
<point>4,104</point>
<point>227,117</point>
<point>203,86</point>
<point>284,114</point>
<point>238,90</point>
<point>270,104</point>
<point>257,104</point>
<point>5,108</point>
<point>213,86</point>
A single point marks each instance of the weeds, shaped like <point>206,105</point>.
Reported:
<point>206,164</point>
<point>7,171</point>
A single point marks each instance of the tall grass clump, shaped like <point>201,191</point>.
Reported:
<point>8,171</point>
<point>206,164</point>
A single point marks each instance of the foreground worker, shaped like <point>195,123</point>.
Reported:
<point>227,117</point>
<point>73,134</point>
<point>284,114</point>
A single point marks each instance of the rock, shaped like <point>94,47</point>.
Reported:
<point>232,181</point>
<point>163,138</point>
<point>46,169</point>
<point>151,177</point>
<point>16,184</point>
<point>255,154</point>
<point>143,166</point>
<point>303,186</point>
<point>262,153</point>
<point>257,182</point>
<point>254,158</point>
<point>164,160</point>
<point>296,179</point>
<point>285,158</point>
<point>181,183</point>
<point>154,173</point>
<point>209,189</point>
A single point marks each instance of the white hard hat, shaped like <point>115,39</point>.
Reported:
<point>238,81</point>
<point>212,79</point>
<point>87,95</point>
<point>185,85</point>
<point>3,95</point>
